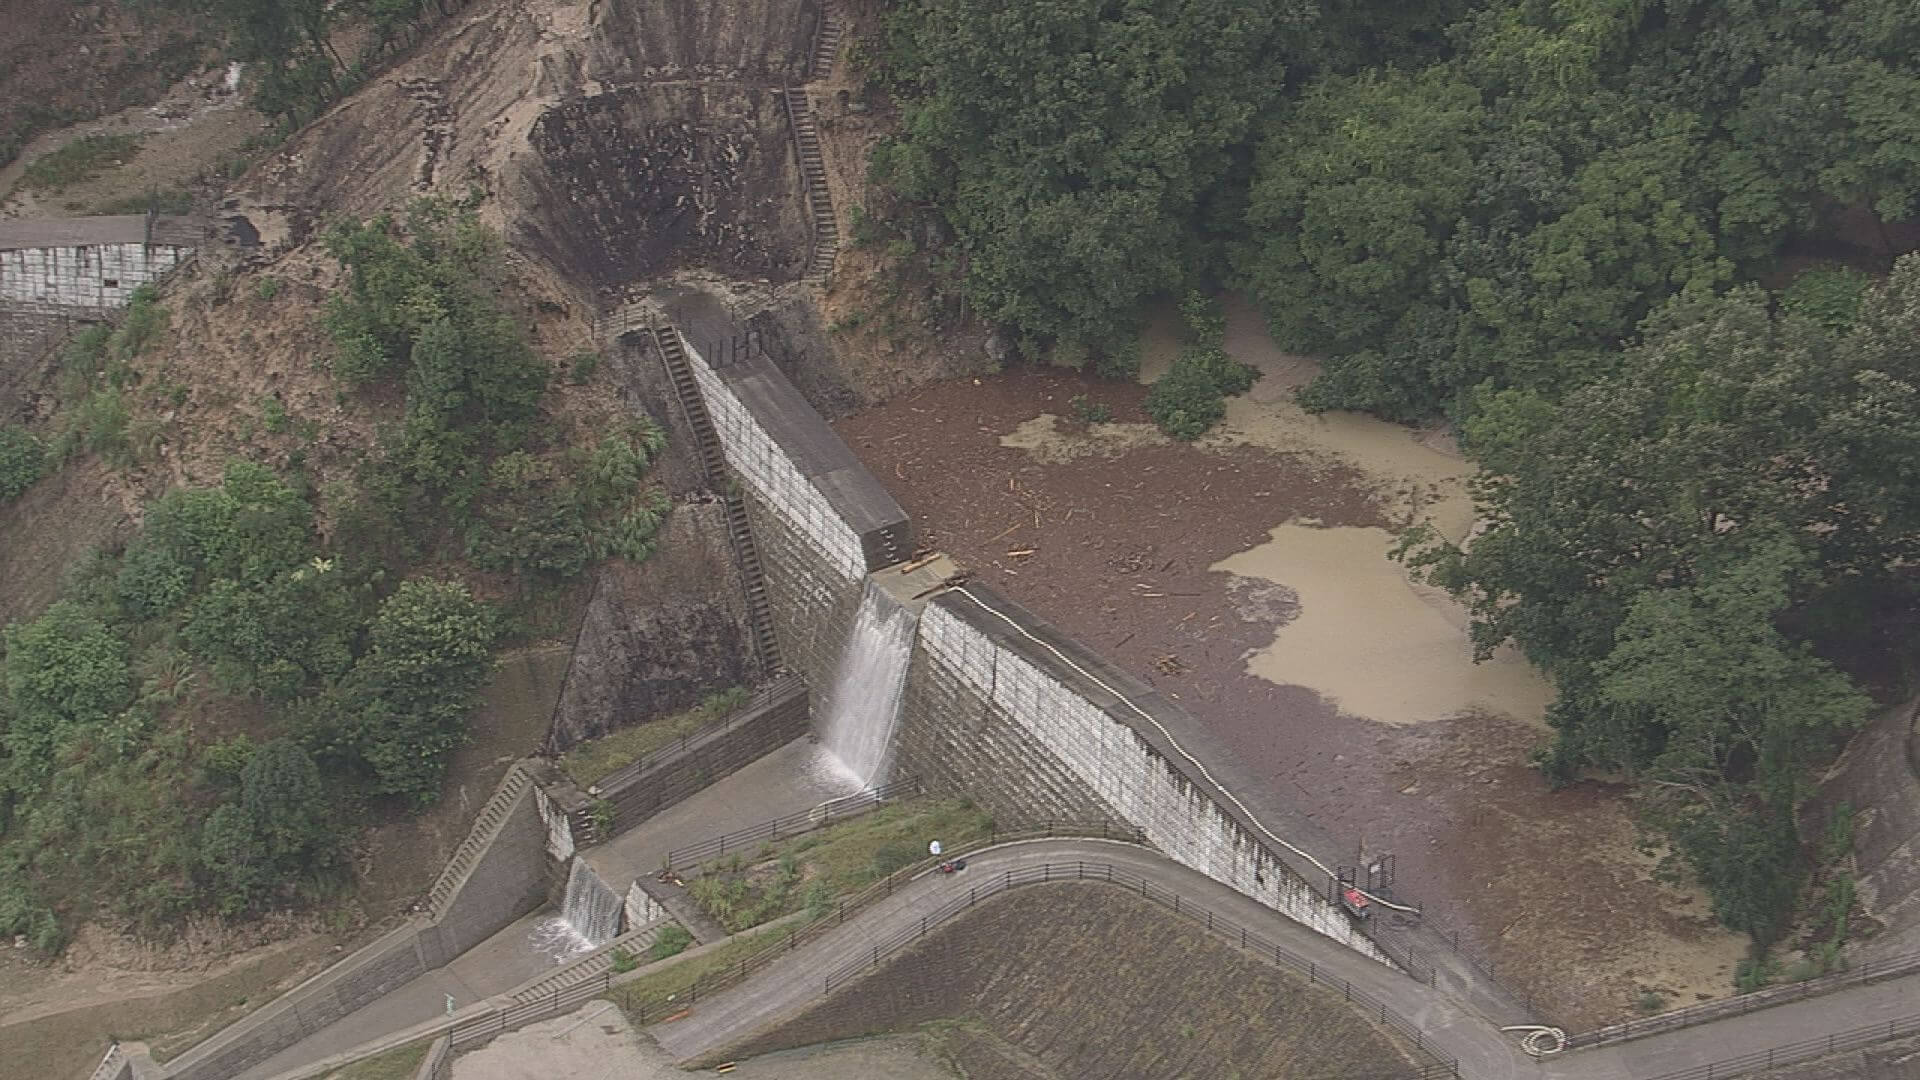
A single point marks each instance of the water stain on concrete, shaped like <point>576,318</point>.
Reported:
<point>1372,642</point>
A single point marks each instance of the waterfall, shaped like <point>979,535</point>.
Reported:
<point>865,704</point>
<point>592,908</point>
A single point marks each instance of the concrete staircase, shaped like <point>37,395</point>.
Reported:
<point>485,828</point>
<point>713,463</point>
<point>826,43</point>
<point>813,173</point>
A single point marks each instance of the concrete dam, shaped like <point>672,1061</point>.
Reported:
<point>996,705</point>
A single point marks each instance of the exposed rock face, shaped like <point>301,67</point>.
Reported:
<point>659,636</point>
<point>1876,777</point>
<point>621,139</point>
<point>647,180</point>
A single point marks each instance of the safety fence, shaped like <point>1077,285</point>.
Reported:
<point>827,813</point>
<point>1232,932</point>
<point>478,1029</point>
<point>1891,967</point>
<point>1838,1042</point>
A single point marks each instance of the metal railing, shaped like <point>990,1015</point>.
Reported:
<point>1233,933</point>
<point>777,692</point>
<point>1891,967</point>
<point>1804,1050</point>
<point>827,813</point>
<point>480,1028</point>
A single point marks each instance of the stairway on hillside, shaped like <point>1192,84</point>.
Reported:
<point>485,826</point>
<point>713,463</point>
<point>826,43</point>
<point>813,174</point>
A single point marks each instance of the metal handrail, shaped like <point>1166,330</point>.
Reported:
<point>1804,1050</point>
<point>1871,971</point>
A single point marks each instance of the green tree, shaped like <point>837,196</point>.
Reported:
<point>22,458</point>
<point>66,671</point>
<point>288,805</point>
<point>407,699</point>
<point>1075,147</point>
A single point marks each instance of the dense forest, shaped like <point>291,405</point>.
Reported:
<point>199,721</point>
<point>1641,255</point>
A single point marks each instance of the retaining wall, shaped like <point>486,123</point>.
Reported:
<point>678,775</point>
<point>80,275</point>
<point>506,882</point>
<point>994,705</point>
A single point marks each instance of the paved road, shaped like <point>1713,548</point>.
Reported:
<point>791,984</point>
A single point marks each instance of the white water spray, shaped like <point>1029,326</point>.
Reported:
<point>592,908</point>
<point>865,706</point>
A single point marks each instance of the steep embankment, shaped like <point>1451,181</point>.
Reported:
<point>1086,980</point>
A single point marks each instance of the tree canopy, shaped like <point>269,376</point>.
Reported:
<point>1548,224</point>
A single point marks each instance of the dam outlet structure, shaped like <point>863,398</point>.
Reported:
<point>863,707</point>
<point>592,909</point>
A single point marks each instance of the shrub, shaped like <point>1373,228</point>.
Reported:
<point>431,649</point>
<point>624,960</point>
<point>1087,411</point>
<point>672,940</point>
<point>1191,397</point>
<point>582,367</point>
<point>65,671</point>
<point>22,459</point>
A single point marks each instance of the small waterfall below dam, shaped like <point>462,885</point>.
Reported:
<point>592,909</point>
<point>864,708</point>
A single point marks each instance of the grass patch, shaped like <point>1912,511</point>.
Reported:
<point>591,761</point>
<point>813,870</point>
<point>641,998</point>
<point>81,159</point>
<point>168,201</point>
<point>672,940</point>
<point>400,1063</point>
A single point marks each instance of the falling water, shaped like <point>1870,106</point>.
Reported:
<point>865,705</point>
<point>592,908</point>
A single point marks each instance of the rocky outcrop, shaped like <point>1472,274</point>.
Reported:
<point>658,636</point>
<point>1876,777</point>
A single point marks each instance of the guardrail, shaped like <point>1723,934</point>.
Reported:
<point>1804,1050</point>
<point>1080,870</point>
<point>478,1029</point>
<point>827,813</point>
<point>774,693</point>
<point>1873,971</point>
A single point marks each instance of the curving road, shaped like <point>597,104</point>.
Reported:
<point>794,982</point>
<point>791,984</point>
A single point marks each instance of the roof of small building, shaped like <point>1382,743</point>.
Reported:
<point>169,230</point>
